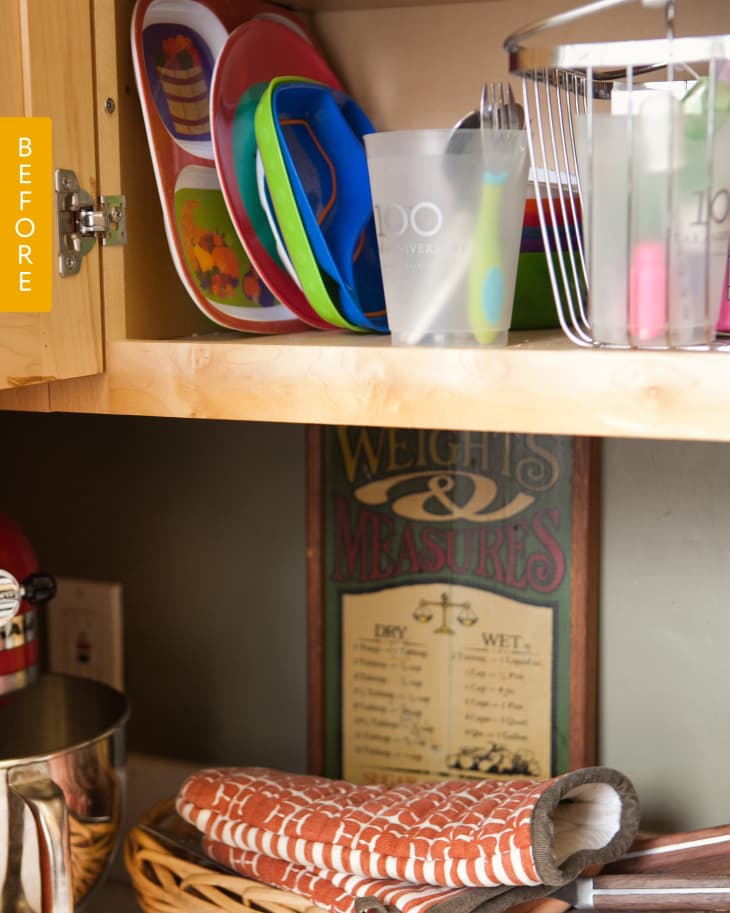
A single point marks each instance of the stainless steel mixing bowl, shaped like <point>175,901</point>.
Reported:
<point>62,764</point>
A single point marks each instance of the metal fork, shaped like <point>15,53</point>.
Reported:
<point>499,111</point>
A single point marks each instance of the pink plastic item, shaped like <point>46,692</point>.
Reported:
<point>723,321</point>
<point>648,291</point>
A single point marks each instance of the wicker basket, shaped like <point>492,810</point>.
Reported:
<point>167,883</point>
<point>92,844</point>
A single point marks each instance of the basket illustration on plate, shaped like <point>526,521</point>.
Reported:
<point>183,80</point>
<point>634,136</point>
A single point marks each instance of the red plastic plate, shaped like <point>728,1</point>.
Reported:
<point>254,54</point>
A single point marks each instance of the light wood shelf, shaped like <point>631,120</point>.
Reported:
<point>539,383</point>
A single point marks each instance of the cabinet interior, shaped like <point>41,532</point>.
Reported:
<point>408,66</point>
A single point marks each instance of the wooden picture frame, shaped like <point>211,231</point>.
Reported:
<point>479,488</point>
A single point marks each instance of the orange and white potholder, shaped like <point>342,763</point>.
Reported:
<point>441,837</point>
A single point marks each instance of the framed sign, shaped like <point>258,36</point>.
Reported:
<point>452,586</point>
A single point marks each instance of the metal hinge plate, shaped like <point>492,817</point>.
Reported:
<point>81,221</point>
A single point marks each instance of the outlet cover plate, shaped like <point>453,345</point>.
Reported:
<point>85,630</point>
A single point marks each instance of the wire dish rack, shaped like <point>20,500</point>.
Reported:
<point>630,150</point>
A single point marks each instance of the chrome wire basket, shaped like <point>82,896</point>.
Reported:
<point>630,150</point>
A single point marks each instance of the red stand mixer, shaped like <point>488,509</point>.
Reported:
<point>22,589</point>
<point>62,755</point>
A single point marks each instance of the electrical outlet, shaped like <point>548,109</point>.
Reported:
<point>85,630</point>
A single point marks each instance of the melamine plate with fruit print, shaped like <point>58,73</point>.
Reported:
<point>254,54</point>
<point>213,254</point>
<point>175,45</point>
<point>181,43</point>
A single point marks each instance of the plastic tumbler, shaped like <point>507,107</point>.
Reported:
<point>449,208</point>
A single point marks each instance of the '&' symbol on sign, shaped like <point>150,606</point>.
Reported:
<point>435,500</point>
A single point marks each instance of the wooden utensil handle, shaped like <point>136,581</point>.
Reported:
<point>661,892</point>
<point>688,851</point>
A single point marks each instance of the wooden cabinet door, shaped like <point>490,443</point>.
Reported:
<point>46,68</point>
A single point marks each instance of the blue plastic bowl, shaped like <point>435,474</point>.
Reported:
<point>320,132</point>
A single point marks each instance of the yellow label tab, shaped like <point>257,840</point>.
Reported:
<point>26,216</point>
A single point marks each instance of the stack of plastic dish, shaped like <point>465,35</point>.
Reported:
<point>534,306</point>
<point>260,166</point>
<point>309,138</point>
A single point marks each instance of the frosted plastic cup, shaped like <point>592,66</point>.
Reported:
<point>449,208</point>
<point>656,229</point>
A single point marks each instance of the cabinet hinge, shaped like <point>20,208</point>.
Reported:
<point>81,221</point>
